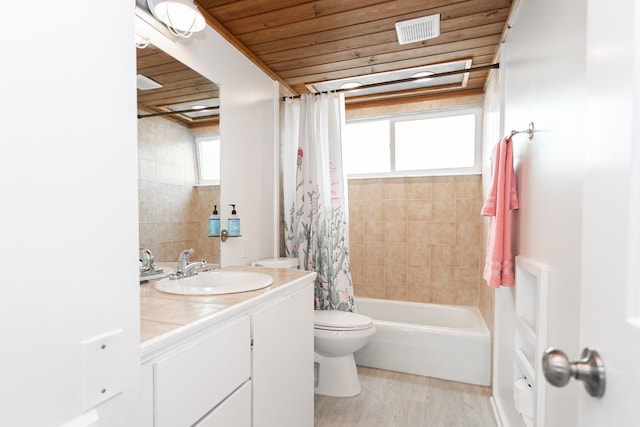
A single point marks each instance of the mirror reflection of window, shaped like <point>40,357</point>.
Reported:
<point>208,159</point>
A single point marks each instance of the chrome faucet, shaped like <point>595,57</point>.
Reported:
<point>147,263</point>
<point>186,268</point>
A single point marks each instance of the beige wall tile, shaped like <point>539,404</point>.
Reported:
<point>395,210</point>
<point>419,276</point>
<point>395,231</point>
<point>419,210</point>
<point>466,297</point>
<point>356,210</point>
<point>373,291</point>
<point>466,256</point>
<point>442,255</point>
<point>417,294</point>
<point>395,189</point>
<point>468,233</point>
<point>374,231</point>
<point>442,296</point>
<point>395,253</point>
<point>373,275</point>
<point>443,187</point>
<point>443,210</point>
<point>399,294</point>
<point>419,188</point>
<point>373,253</point>
<point>468,210</point>
<point>419,232</point>
<point>374,210</point>
<point>441,277</point>
<point>422,239</point>
<point>356,232</point>
<point>466,278</point>
<point>468,186</point>
<point>373,189</point>
<point>443,233</point>
<point>419,255</point>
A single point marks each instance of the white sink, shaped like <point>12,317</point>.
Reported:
<point>215,283</point>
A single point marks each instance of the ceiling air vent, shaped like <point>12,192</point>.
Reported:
<point>415,30</point>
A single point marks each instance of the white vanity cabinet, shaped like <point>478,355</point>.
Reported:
<point>283,362</point>
<point>251,364</point>
<point>194,380</point>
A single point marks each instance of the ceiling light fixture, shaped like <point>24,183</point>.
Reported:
<point>182,17</point>
<point>422,76</point>
<point>350,85</point>
<point>141,42</point>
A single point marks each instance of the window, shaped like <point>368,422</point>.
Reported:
<point>208,157</point>
<point>444,142</point>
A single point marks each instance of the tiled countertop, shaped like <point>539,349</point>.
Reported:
<point>163,315</point>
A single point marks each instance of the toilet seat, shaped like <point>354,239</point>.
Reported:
<point>336,320</point>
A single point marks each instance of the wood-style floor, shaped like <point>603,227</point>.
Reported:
<point>392,399</point>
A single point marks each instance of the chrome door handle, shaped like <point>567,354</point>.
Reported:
<point>558,370</point>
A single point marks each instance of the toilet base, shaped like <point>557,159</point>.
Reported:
<point>337,376</point>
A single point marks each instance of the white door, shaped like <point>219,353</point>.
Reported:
<point>610,291</point>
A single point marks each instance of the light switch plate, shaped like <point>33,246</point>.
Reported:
<point>102,368</point>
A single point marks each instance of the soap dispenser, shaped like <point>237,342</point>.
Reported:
<point>233,222</point>
<point>214,222</point>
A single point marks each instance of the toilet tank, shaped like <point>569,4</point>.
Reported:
<point>283,262</point>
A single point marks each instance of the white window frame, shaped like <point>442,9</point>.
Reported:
<point>394,118</point>
<point>197,140</point>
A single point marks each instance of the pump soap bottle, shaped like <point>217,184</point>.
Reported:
<point>214,222</point>
<point>233,222</point>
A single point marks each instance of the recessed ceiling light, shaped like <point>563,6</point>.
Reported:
<point>350,85</point>
<point>422,76</point>
<point>198,107</point>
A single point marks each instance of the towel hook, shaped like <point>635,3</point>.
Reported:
<point>530,130</point>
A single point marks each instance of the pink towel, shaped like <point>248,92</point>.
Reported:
<point>498,268</point>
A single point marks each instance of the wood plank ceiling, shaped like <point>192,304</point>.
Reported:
<point>300,42</point>
<point>180,85</point>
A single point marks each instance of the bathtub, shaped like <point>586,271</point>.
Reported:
<point>442,341</point>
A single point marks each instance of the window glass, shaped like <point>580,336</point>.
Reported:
<point>438,143</point>
<point>208,152</point>
<point>367,147</point>
<point>434,143</point>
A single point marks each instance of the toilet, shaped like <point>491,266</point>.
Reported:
<point>336,336</point>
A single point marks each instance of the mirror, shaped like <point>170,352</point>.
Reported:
<point>173,210</point>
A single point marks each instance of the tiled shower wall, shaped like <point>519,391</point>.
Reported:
<point>172,212</point>
<point>417,239</point>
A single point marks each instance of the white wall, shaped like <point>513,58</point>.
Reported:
<point>68,229</point>
<point>68,171</point>
<point>543,67</point>
<point>248,111</point>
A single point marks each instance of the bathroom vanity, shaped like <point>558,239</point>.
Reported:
<point>243,359</point>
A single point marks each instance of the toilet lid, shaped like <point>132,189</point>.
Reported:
<point>340,320</point>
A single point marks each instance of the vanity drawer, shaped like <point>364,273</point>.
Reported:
<point>191,382</point>
<point>234,411</point>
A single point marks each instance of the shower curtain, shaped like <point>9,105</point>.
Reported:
<point>315,200</point>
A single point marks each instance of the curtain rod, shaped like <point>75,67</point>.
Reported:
<point>407,80</point>
<point>169,113</point>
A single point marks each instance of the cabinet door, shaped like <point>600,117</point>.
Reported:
<point>283,362</point>
<point>233,412</point>
<point>195,379</point>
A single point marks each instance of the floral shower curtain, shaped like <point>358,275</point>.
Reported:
<point>315,201</point>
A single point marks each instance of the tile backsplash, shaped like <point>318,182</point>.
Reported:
<point>417,238</point>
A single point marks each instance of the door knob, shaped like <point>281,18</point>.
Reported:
<point>558,370</point>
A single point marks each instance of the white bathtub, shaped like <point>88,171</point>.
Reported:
<point>442,341</point>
